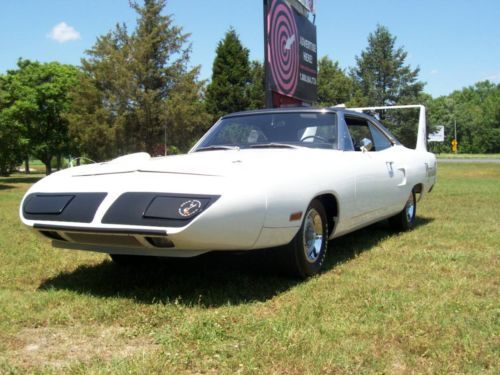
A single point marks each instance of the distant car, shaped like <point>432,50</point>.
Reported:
<point>284,179</point>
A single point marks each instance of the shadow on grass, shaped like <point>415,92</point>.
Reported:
<point>209,280</point>
<point>212,279</point>
<point>6,187</point>
<point>19,180</point>
<point>348,247</point>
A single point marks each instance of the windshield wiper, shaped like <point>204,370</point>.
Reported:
<point>218,147</point>
<point>272,145</point>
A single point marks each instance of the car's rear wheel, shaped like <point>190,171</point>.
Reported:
<point>305,255</point>
<point>405,220</point>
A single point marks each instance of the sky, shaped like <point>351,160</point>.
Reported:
<point>455,43</point>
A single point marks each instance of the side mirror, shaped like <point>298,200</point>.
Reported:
<point>365,145</point>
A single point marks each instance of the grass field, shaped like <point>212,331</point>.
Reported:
<point>426,301</point>
<point>467,156</point>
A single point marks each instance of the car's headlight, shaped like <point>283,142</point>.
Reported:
<point>157,209</point>
<point>181,208</point>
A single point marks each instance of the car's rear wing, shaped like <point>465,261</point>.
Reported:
<point>422,132</point>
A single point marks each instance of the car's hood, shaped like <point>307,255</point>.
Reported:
<point>206,163</point>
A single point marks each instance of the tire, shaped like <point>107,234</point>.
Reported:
<point>305,254</point>
<point>123,260</point>
<point>405,220</point>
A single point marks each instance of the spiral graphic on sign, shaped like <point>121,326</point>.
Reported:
<point>283,47</point>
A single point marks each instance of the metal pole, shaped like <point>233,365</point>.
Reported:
<point>456,147</point>
<point>165,138</point>
<point>267,88</point>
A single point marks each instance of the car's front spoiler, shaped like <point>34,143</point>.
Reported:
<point>111,231</point>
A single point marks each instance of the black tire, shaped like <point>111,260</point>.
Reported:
<point>305,254</point>
<point>123,260</point>
<point>405,220</point>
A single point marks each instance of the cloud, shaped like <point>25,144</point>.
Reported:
<point>494,77</point>
<point>62,33</point>
<point>434,72</point>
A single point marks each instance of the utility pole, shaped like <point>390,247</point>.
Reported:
<point>454,142</point>
<point>165,138</point>
<point>455,128</point>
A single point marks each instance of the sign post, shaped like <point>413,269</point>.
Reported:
<point>438,135</point>
<point>290,55</point>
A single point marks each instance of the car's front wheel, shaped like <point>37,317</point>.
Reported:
<point>405,220</point>
<point>305,255</point>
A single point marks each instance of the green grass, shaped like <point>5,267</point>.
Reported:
<point>37,167</point>
<point>467,156</point>
<point>426,301</point>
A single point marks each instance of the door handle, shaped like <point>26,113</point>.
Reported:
<point>390,168</point>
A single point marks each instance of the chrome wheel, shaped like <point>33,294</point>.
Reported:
<point>305,254</point>
<point>410,208</point>
<point>405,220</point>
<point>313,235</point>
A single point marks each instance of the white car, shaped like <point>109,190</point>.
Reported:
<point>287,180</point>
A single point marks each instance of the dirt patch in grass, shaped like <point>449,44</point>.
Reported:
<point>63,346</point>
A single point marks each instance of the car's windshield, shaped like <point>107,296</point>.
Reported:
<point>273,130</point>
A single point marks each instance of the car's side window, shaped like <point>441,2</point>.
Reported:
<point>359,132</point>
<point>360,128</point>
<point>380,141</point>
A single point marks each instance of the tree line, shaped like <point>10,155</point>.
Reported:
<point>135,91</point>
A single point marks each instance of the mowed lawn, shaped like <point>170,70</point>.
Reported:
<point>426,301</point>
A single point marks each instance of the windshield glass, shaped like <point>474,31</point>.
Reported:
<point>276,130</point>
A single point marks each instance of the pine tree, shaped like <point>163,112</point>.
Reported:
<point>255,89</point>
<point>227,92</point>
<point>185,116</point>
<point>381,74</point>
<point>129,79</point>
<point>382,78</point>
<point>155,41</point>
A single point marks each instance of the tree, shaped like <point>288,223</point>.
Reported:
<point>476,112</point>
<point>129,78</point>
<point>92,124</point>
<point>227,92</point>
<point>381,73</point>
<point>186,117</point>
<point>11,143</point>
<point>255,90</point>
<point>37,96</point>
<point>334,85</point>
<point>11,152</point>
<point>382,78</point>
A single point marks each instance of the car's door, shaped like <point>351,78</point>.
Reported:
<point>377,177</point>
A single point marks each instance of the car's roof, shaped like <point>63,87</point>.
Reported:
<point>294,109</point>
<point>344,110</point>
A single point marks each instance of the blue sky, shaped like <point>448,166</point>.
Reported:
<point>454,42</point>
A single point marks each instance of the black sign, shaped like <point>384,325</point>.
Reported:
<point>291,52</point>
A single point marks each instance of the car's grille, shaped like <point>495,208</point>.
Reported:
<point>104,239</point>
